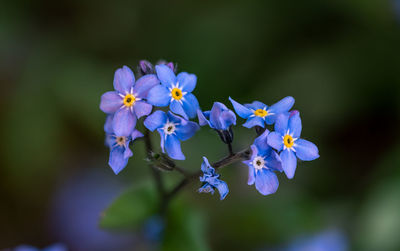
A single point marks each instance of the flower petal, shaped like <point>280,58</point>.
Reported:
<point>186,131</point>
<point>256,105</point>
<point>202,118</point>
<point>190,105</point>
<point>108,125</point>
<point>222,189</point>
<point>275,140</point>
<point>254,121</point>
<point>206,188</point>
<point>117,161</point>
<point>186,81</point>
<point>252,177</point>
<point>144,84</point>
<point>123,80</point>
<point>127,153</point>
<point>165,75</point>
<point>289,163</point>
<point>306,150</point>
<point>274,162</point>
<point>266,182</point>
<point>261,142</point>
<point>142,108</point>
<point>283,105</point>
<point>155,120</point>
<point>281,124</point>
<point>173,147</point>
<point>206,167</point>
<point>110,102</point>
<point>177,108</point>
<point>124,122</point>
<point>295,124</point>
<point>158,96</point>
<point>136,134</point>
<point>227,119</point>
<point>241,110</point>
<point>162,141</point>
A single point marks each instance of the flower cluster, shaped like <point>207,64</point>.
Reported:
<point>160,86</point>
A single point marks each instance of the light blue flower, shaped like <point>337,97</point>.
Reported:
<point>219,118</point>
<point>286,140</point>
<point>128,100</point>
<point>262,164</point>
<point>175,91</point>
<point>211,180</point>
<point>119,146</point>
<point>172,130</point>
<point>257,113</point>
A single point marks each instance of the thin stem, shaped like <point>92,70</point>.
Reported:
<point>230,149</point>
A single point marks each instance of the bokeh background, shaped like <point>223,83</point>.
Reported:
<point>340,59</point>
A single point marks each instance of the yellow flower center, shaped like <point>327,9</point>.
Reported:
<point>260,113</point>
<point>176,93</point>
<point>288,141</point>
<point>129,100</point>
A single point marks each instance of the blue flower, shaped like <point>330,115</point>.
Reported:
<point>211,181</point>
<point>119,146</point>
<point>127,101</point>
<point>257,113</point>
<point>172,130</point>
<point>175,91</point>
<point>219,118</point>
<point>286,140</point>
<point>262,164</point>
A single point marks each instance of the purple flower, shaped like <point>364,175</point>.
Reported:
<point>219,118</point>
<point>257,113</point>
<point>175,91</point>
<point>211,181</point>
<point>172,130</point>
<point>127,101</point>
<point>262,164</point>
<point>55,247</point>
<point>286,140</point>
<point>119,146</point>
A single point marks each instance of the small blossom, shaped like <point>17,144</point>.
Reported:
<point>210,180</point>
<point>127,102</point>
<point>172,130</point>
<point>119,146</point>
<point>262,164</point>
<point>175,91</point>
<point>257,113</point>
<point>286,140</point>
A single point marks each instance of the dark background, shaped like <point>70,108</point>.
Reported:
<point>339,59</point>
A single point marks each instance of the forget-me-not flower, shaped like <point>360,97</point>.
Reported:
<point>211,180</point>
<point>175,91</point>
<point>119,146</point>
<point>257,113</point>
<point>172,130</point>
<point>262,164</point>
<point>286,140</point>
<point>127,101</point>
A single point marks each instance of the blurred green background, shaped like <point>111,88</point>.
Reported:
<point>340,59</point>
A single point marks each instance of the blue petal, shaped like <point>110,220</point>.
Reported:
<point>155,120</point>
<point>270,119</point>
<point>215,115</point>
<point>127,153</point>
<point>254,121</point>
<point>173,148</point>
<point>108,125</point>
<point>256,105</point>
<point>222,189</point>
<point>281,124</point>
<point>261,143</point>
<point>275,140</point>
<point>159,96</point>
<point>142,108</point>
<point>306,150</point>
<point>190,105</point>
<point>206,167</point>
<point>187,81</point>
<point>187,130</point>
<point>266,182</point>
<point>117,161</point>
<point>227,119</point>
<point>274,162</point>
<point>202,119</point>
<point>124,80</point>
<point>295,124</point>
<point>165,75</point>
<point>241,110</point>
<point>177,108</point>
<point>136,134</point>
<point>162,136</point>
<point>252,178</point>
<point>110,140</point>
<point>124,122</point>
<point>206,188</point>
<point>144,85</point>
<point>175,118</point>
<point>283,105</point>
<point>289,163</point>
<point>110,102</point>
